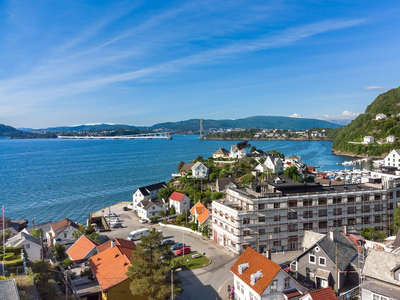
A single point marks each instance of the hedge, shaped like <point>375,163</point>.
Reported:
<point>8,256</point>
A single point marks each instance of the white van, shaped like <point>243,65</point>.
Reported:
<point>136,234</point>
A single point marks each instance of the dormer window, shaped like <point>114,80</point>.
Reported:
<point>255,277</point>
<point>242,268</point>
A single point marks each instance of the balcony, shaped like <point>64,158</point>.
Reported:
<point>307,216</point>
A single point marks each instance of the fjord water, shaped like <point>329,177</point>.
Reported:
<point>49,179</point>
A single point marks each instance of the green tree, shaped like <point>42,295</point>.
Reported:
<point>165,193</point>
<point>59,251</point>
<point>149,273</point>
<point>7,234</point>
<point>172,211</point>
<point>373,234</point>
<point>217,195</point>
<point>88,231</point>
<point>36,232</point>
<point>248,178</point>
<point>292,173</point>
<point>253,148</point>
<point>180,165</point>
<point>396,219</point>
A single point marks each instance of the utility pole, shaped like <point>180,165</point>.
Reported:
<point>41,243</point>
<point>172,284</point>
<point>66,284</point>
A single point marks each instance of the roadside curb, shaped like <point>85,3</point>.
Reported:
<point>222,293</point>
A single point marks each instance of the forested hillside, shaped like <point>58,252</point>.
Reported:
<point>365,125</point>
<point>8,131</point>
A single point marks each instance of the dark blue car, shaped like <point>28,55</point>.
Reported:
<point>177,246</point>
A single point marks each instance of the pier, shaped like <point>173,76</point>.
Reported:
<point>146,136</point>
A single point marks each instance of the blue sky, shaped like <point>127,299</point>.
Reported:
<point>145,62</point>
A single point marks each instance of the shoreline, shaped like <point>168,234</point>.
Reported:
<point>266,139</point>
<point>341,153</point>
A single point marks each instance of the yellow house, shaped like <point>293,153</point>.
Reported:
<point>110,266</point>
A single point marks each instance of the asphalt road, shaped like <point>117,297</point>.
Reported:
<point>203,283</point>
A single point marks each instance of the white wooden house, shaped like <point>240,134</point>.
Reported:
<point>147,192</point>
<point>380,117</point>
<point>179,202</point>
<point>390,139</point>
<point>147,209</point>
<point>61,232</point>
<point>274,163</point>
<point>393,158</point>
<point>368,139</point>
<point>199,170</point>
<point>236,152</point>
<point>257,278</point>
<point>31,244</point>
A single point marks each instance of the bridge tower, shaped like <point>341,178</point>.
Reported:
<point>201,130</point>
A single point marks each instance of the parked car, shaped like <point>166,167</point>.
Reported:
<point>177,246</point>
<point>168,242</point>
<point>116,225</point>
<point>113,220</point>
<point>142,221</point>
<point>125,208</point>
<point>110,215</point>
<point>185,250</point>
<point>167,255</point>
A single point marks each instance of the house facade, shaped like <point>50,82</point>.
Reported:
<point>236,152</point>
<point>221,152</point>
<point>390,139</point>
<point>223,183</point>
<point>274,163</point>
<point>381,276</point>
<point>393,158</point>
<point>257,277</point>
<point>199,170</point>
<point>277,213</point>
<point>61,232</point>
<point>147,192</point>
<point>380,117</point>
<point>368,139</point>
<point>179,202</point>
<point>147,209</point>
<point>31,244</point>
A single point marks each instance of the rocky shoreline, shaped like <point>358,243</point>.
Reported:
<point>269,139</point>
<point>342,153</point>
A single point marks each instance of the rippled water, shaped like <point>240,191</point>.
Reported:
<point>51,178</point>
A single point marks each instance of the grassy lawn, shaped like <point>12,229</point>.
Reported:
<point>25,287</point>
<point>193,263</point>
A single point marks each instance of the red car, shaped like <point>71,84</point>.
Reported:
<point>186,250</point>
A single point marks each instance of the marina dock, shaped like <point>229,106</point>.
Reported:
<point>146,136</point>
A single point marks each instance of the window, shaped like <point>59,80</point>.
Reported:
<point>276,243</point>
<point>287,283</point>
<point>337,211</point>
<point>307,226</point>
<point>274,285</point>
<point>307,202</point>
<point>292,215</point>
<point>377,197</point>
<point>337,223</point>
<point>27,246</point>
<point>378,219</point>
<point>246,220</point>
<point>277,230</point>
<point>391,206</point>
<point>292,227</point>
<point>261,231</point>
<point>293,203</point>
<point>323,213</point>
<point>351,199</point>
<point>378,207</point>
<point>65,235</point>
<point>311,259</point>
<point>365,209</point>
<point>308,214</point>
<point>261,206</point>
<point>246,232</point>
<point>365,197</point>
<point>322,201</point>
<point>378,297</point>
<point>337,200</point>
<point>391,195</point>
<point>323,224</point>
<point>276,205</point>
<point>322,261</point>
<point>261,219</point>
<point>277,218</point>
<point>365,220</point>
<point>252,297</point>
<point>351,221</point>
<point>232,230</point>
<point>397,194</point>
<point>351,210</point>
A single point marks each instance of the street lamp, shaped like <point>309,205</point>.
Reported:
<point>172,282</point>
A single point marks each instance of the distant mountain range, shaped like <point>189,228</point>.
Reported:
<point>193,125</point>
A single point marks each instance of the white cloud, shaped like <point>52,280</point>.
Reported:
<point>375,88</point>
<point>295,116</point>
<point>344,118</point>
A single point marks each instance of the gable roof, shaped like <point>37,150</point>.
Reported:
<point>60,226</point>
<point>119,242</point>
<point>187,166</point>
<point>146,204</point>
<point>221,150</point>
<point>310,238</point>
<point>196,165</point>
<point>146,190</point>
<point>46,227</point>
<point>110,266</point>
<point>177,196</point>
<point>20,238</point>
<point>223,182</point>
<point>81,248</point>
<point>200,212</point>
<point>257,262</point>
<point>8,290</point>
<point>321,294</point>
<point>380,265</point>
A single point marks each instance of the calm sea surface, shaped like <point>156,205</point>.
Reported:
<point>52,178</point>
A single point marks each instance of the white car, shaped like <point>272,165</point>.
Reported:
<point>110,215</point>
<point>142,221</point>
<point>113,220</point>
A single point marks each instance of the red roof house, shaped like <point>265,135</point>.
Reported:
<point>82,249</point>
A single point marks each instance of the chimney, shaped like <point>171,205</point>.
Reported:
<point>345,229</point>
<point>112,243</point>
<point>269,254</point>
<point>331,234</point>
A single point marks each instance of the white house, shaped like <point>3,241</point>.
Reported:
<point>390,139</point>
<point>31,244</point>
<point>274,163</point>
<point>393,158</point>
<point>257,278</point>
<point>147,192</point>
<point>380,117</point>
<point>179,202</point>
<point>61,232</point>
<point>147,209</point>
<point>199,170</point>
<point>221,152</point>
<point>292,159</point>
<point>262,168</point>
<point>236,153</point>
<point>368,139</point>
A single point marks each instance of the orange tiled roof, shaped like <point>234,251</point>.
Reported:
<point>81,248</point>
<point>322,294</point>
<point>197,207</point>
<point>176,196</point>
<point>200,212</point>
<point>110,266</point>
<point>119,242</point>
<point>256,263</point>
